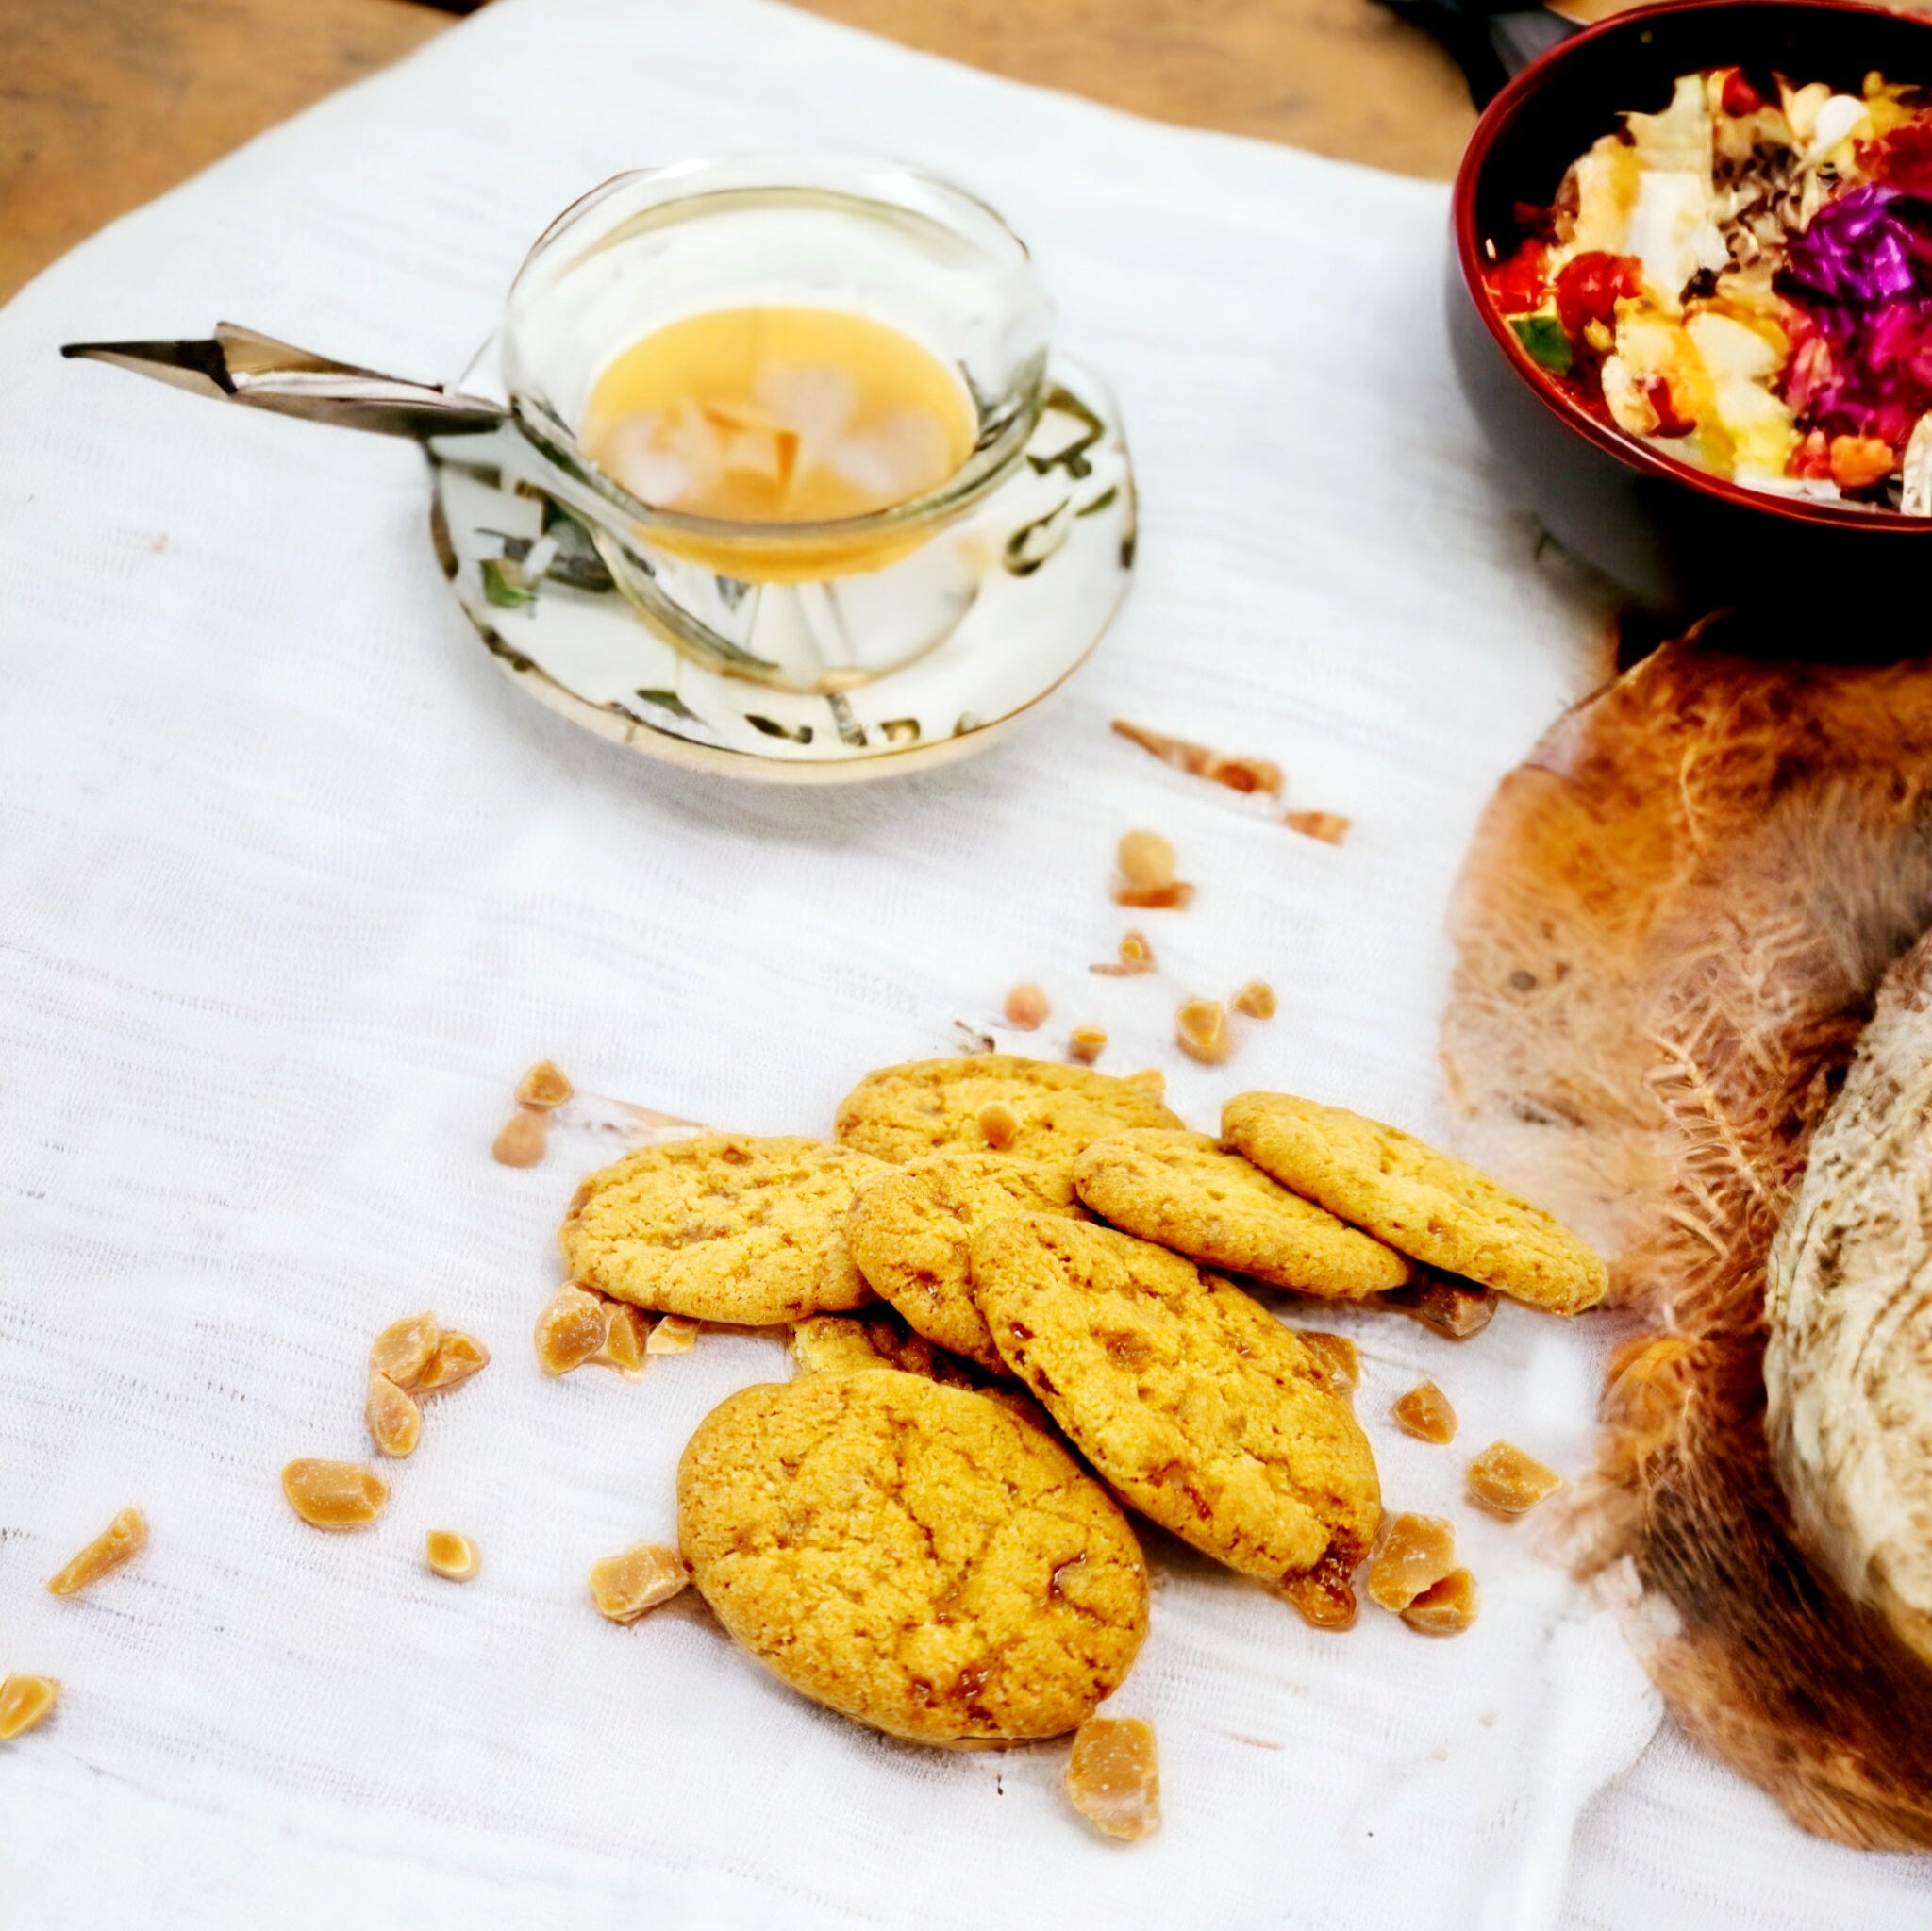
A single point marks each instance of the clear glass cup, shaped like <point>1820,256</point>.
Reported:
<point>807,606</point>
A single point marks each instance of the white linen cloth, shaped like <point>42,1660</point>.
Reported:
<point>293,884</point>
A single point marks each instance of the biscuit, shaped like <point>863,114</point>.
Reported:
<point>1188,1191</point>
<point>1190,1399</point>
<point>910,1231</point>
<point>721,1228</point>
<point>933,1105</point>
<point>1421,1203</point>
<point>913,1557</point>
<point>879,1337</point>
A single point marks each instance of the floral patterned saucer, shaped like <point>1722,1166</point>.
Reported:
<point>1050,552</point>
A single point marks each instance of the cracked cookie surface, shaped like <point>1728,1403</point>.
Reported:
<point>911,1556</point>
<point>911,1232</point>
<point>1424,1203</point>
<point>931,1104</point>
<point>1191,1399</point>
<point>723,1227</point>
<point>1191,1192</point>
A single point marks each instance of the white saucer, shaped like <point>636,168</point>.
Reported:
<point>1058,541</point>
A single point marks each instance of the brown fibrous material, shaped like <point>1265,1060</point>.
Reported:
<point>1669,928</point>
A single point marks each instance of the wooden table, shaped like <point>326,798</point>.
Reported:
<point>106,102</point>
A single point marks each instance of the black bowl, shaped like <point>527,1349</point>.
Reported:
<point>1676,541</point>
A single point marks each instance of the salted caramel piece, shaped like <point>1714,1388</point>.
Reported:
<point>624,1340</point>
<point>1146,859</point>
<point>1154,898</point>
<point>25,1701</point>
<point>1412,1553</point>
<point>523,1138</point>
<point>1340,1359</point>
<point>406,1348</point>
<point>1256,999</point>
<point>624,1587</point>
<point>1445,1607</point>
<point>999,1126</point>
<point>451,1556</point>
<point>1506,1480</point>
<point>395,1423</point>
<point>1086,1044</point>
<point>1113,1776</point>
<point>1200,1029</point>
<point>1150,1079</point>
<point>334,1494</point>
<point>1454,1309</point>
<point>1331,827</point>
<point>1028,1008</point>
<point>544,1086</point>
<point>1324,1596</point>
<point>457,1356</point>
<point>569,1330</point>
<point>1135,957</point>
<point>1239,773</point>
<point>1425,1413</point>
<point>125,1536</point>
<point>676,1333</point>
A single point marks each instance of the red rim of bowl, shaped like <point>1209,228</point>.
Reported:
<point>1612,442</point>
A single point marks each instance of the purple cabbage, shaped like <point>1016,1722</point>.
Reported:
<point>1871,244</point>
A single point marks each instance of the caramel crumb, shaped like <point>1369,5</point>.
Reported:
<point>569,1330</point>
<point>1455,1309</point>
<point>625,1587</point>
<point>404,1350</point>
<point>544,1086</point>
<point>1026,1006</point>
<point>1411,1554</point>
<point>1257,999</point>
<point>334,1494</point>
<point>999,1126</point>
<point>1197,760</point>
<point>1337,1356</point>
<point>1154,898</point>
<point>676,1333</point>
<point>1445,1607</point>
<point>1086,1044</point>
<point>1135,957</point>
<point>1506,1481</point>
<point>1200,1029</point>
<point>395,1423</point>
<point>1113,1776</point>
<point>523,1137</point>
<point>1150,1079</point>
<point>624,1340</point>
<point>125,1536</point>
<point>457,1356</point>
<point>1146,860</point>
<point>1323,1596</point>
<point>450,1556</point>
<point>1424,1412</point>
<point>1331,827</point>
<point>25,1701</point>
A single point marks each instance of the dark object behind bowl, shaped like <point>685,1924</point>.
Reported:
<point>1677,542</point>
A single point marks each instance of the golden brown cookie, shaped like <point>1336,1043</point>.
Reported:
<point>933,1105</point>
<point>721,1228</point>
<point>911,1228</point>
<point>878,1335</point>
<point>1191,1399</point>
<point>911,1556</point>
<point>1188,1191</point>
<point>1421,1203</point>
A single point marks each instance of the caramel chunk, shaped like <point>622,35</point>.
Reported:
<point>395,1423</point>
<point>1256,999</point>
<point>625,1587</point>
<point>1135,957</point>
<point>24,1701</point>
<point>334,1494</point>
<point>1340,1361</point>
<point>450,1556</point>
<point>1331,827</point>
<point>1424,1412</point>
<point>1146,859</point>
<point>523,1138</point>
<point>569,1330</point>
<point>1412,1553</point>
<point>1086,1045</point>
<point>999,1126</point>
<point>457,1356</point>
<point>405,1349</point>
<point>1200,1029</point>
<point>1323,1596</point>
<point>676,1333</point>
<point>125,1536</point>
<point>1197,760</point>
<point>1506,1481</point>
<point>624,1340</point>
<point>1113,1776</point>
<point>1445,1607</point>
<point>1455,1309</point>
<point>1154,898</point>
<point>1027,1007</point>
<point>544,1086</point>
<point>1150,1079</point>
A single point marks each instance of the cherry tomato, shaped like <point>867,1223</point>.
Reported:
<point>1738,96</point>
<point>1588,287</point>
<point>1517,282</point>
<point>1657,392</point>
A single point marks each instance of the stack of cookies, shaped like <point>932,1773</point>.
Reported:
<point>925,1531</point>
